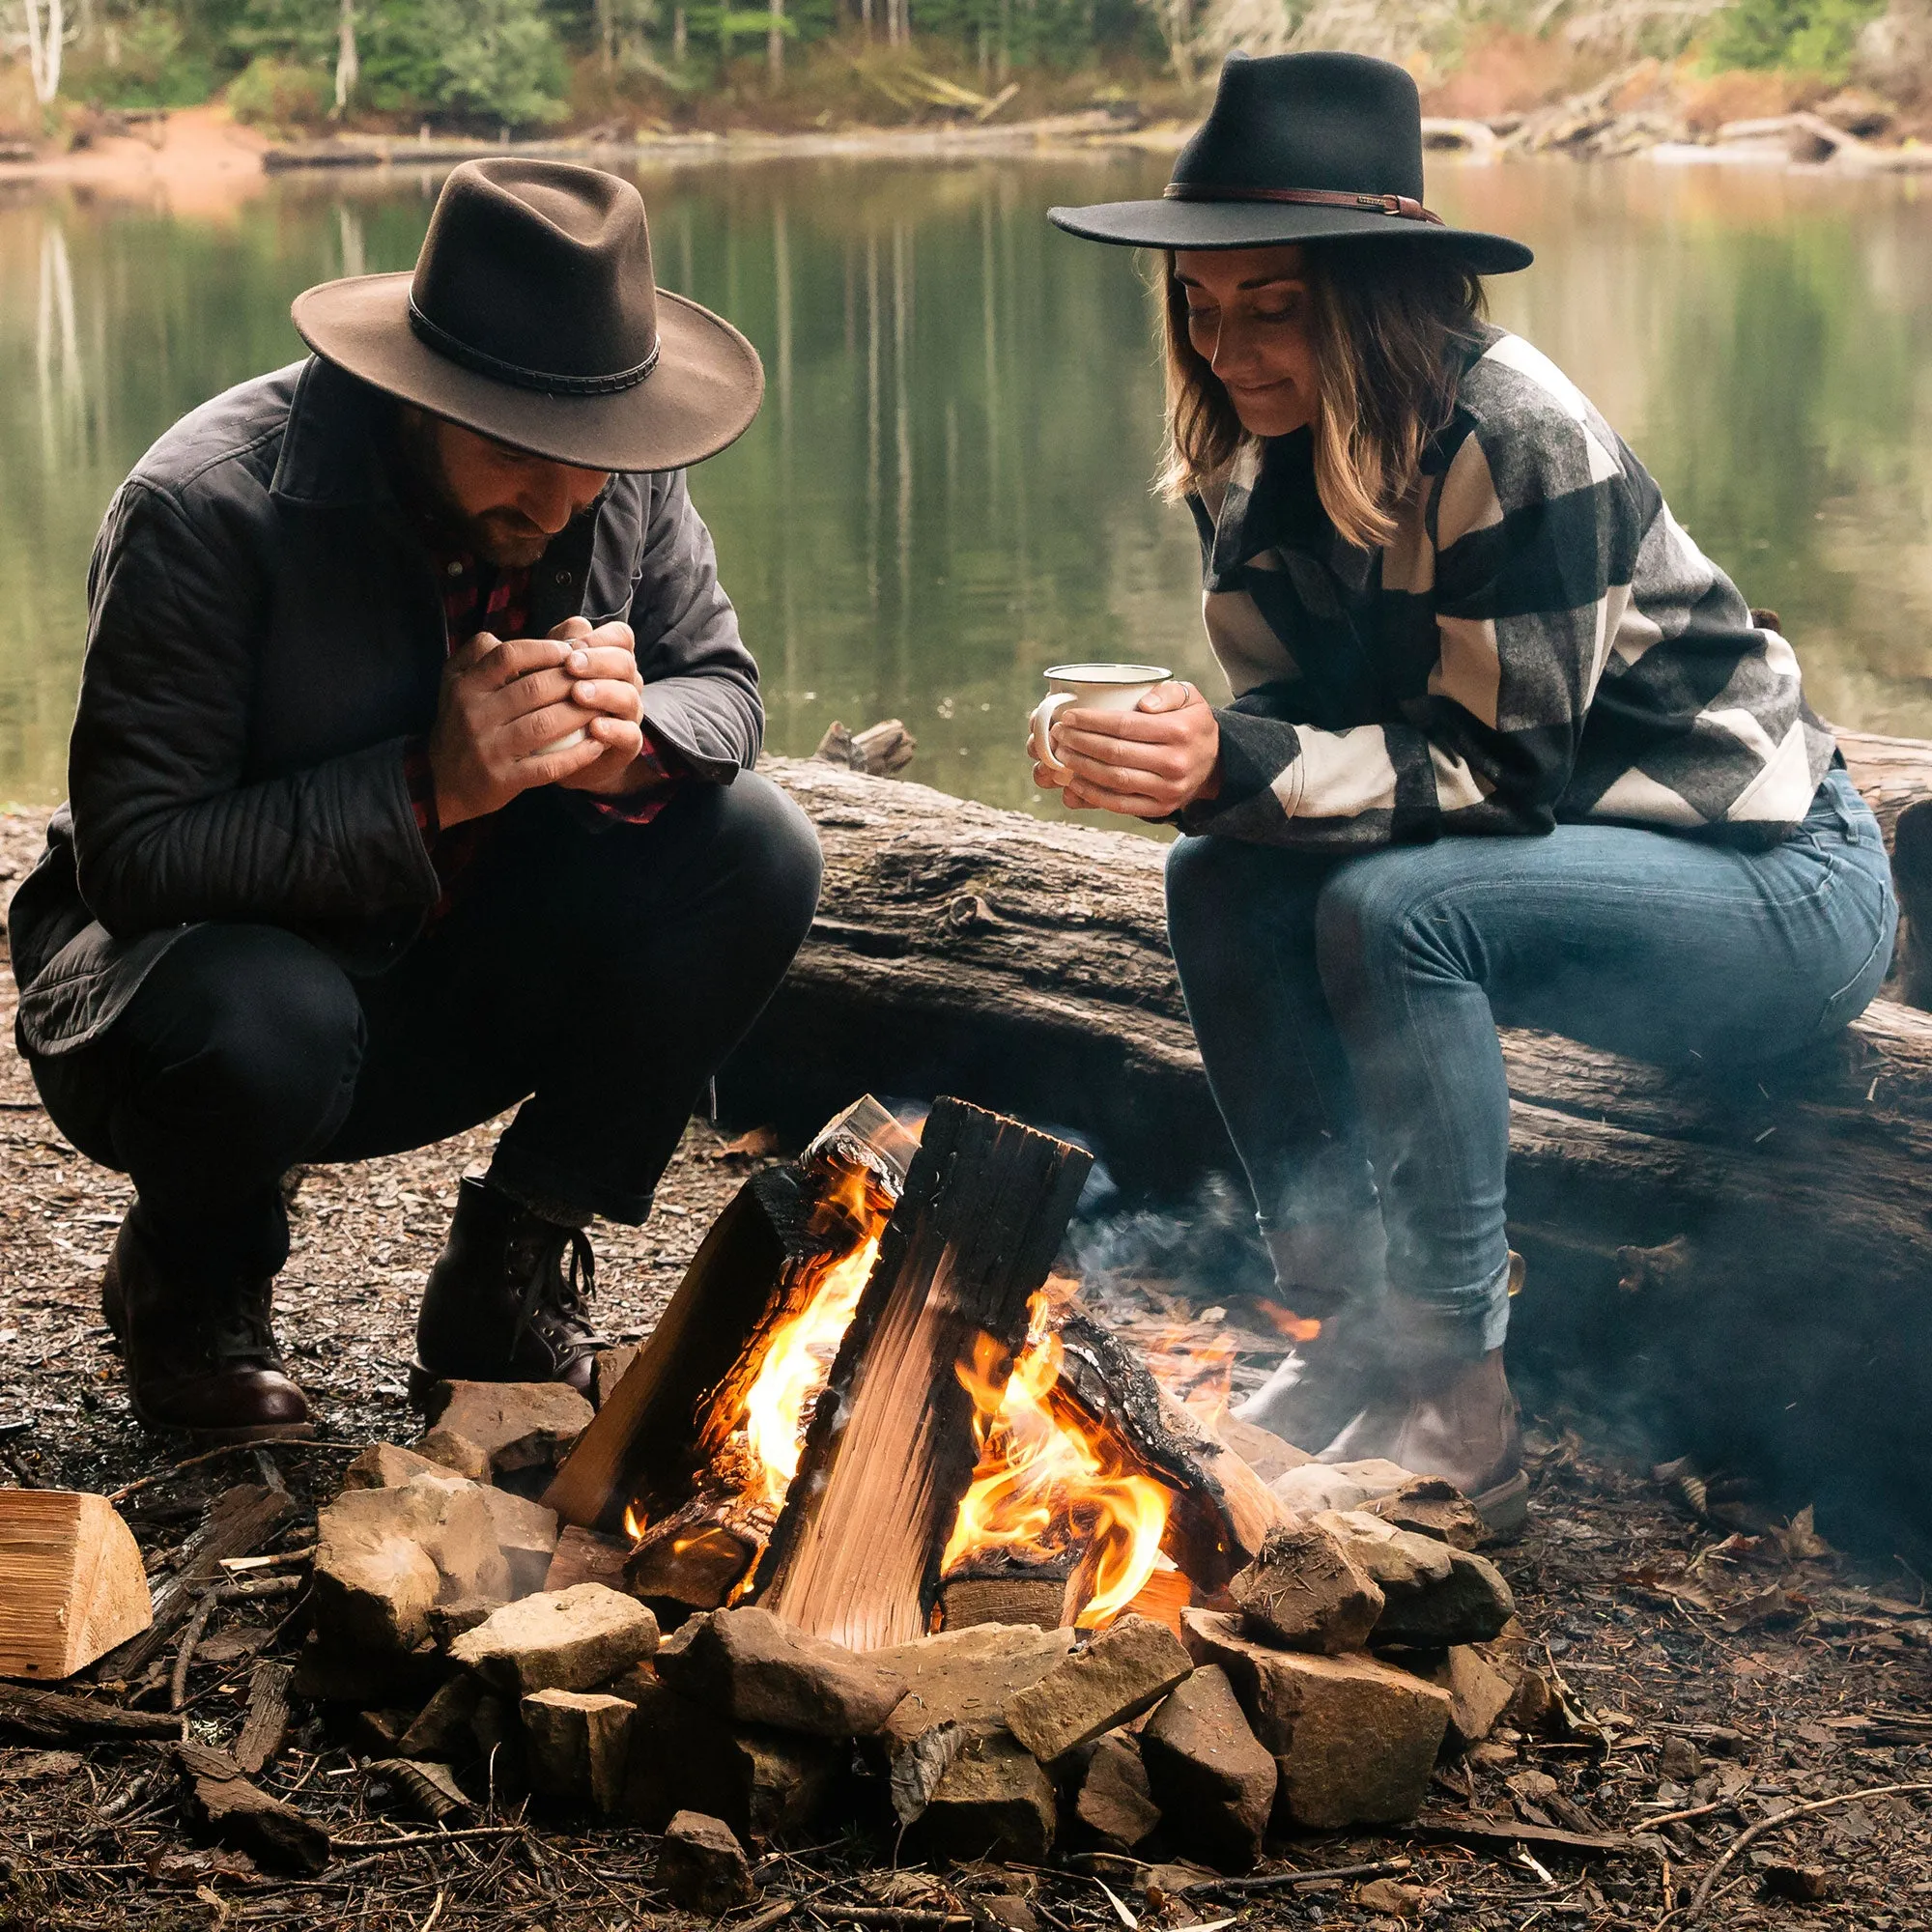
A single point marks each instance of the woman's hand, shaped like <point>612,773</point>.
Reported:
<point>1144,763</point>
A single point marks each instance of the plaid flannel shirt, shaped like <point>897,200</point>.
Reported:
<point>475,599</point>
<point>1540,641</point>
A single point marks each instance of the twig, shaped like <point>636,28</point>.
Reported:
<point>423,1839</point>
<point>140,1483</point>
<point>763,1919</point>
<point>1320,1875</point>
<point>910,1918</point>
<point>1771,1824</point>
<point>1679,1817</point>
<point>184,1656</point>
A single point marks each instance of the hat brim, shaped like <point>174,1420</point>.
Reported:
<point>699,398</point>
<point>1262,224</point>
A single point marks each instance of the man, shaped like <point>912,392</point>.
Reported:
<point>410,778</point>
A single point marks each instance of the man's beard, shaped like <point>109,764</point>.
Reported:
<point>503,537</point>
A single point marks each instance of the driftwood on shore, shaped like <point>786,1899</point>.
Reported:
<point>1024,965</point>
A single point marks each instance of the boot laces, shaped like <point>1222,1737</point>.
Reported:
<point>242,1334</point>
<point>555,1304</point>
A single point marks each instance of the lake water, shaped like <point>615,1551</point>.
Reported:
<point>948,488</point>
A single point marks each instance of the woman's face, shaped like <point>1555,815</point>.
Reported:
<point>1249,316</point>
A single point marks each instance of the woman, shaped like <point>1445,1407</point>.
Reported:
<point>1504,747</point>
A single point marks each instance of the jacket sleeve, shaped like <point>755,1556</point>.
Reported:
<point>166,829</point>
<point>1532,573</point>
<point>700,683</point>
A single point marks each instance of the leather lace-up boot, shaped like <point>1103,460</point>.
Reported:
<point>507,1300</point>
<point>199,1357</point>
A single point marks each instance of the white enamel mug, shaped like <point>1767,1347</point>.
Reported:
<point>1091,687</point>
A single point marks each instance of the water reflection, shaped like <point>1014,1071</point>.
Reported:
<point>948,487</point>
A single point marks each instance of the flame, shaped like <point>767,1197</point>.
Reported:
<point>1198,1374</point>
<point>1287,1323</point>
<point>633,1524</point>
<point>1048,1482</point>
<point>799,1354</point>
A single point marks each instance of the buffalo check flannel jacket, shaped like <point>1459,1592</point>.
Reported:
<point>1541,642</point>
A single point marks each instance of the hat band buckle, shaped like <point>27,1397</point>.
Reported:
<point>1403,207</point>
<point>479,361</point>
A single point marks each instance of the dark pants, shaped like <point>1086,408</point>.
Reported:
<point>601,974</point>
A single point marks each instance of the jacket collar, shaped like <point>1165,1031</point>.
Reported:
<point>331,448</point>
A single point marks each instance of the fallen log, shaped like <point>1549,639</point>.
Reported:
<point>53,1717</point>
<point>1023,965</point>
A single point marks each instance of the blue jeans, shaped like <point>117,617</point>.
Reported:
<point>1346,1010</point>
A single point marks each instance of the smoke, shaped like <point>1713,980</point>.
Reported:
<point>1206,1250</point>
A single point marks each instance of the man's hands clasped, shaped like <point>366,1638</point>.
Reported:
<point>506,707</point>
<point>1144,763</point>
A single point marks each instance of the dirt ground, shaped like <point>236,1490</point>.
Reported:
<point>1727,1674</point>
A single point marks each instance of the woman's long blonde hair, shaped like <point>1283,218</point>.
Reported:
<point>1391,325</point>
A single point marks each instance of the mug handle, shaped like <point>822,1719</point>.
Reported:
<point>1040,733</point>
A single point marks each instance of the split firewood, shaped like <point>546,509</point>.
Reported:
<point>240,1520</point>
<point>882,750</point>
<point>239,1813</point>
<point>1006,1593</point>
<point>891,1450</point>
<point>267,1724</point>
<point>52,1717</point>
<point>583,1556</point>
<point>72,1585</point>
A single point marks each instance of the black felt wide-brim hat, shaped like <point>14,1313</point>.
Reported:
<point>1298,147</point>
<point>532,317</point>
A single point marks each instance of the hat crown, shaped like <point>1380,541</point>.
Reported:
<point>535,270</point>
<point>1338,122</point>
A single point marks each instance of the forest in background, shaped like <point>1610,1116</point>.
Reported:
<point>517,67</point>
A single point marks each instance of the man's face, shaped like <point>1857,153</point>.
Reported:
<point>502,505</point>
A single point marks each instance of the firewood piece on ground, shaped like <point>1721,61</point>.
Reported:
<point>702,1866</point>
<point>577,1744</point>
<point>72,1585</point>
<point>56,1718</point>
<point>584,1557</point>
<point>1124,1671</point>
<point>891,1449</point>
<point>384,1557</point>
<point>1354,1739</point>
<point>267,1724</point>
<point>1430,1506</point>
<point>1116,1805</point>
<point>559,1640</point>
<point>965,1677</point>
<point>1473,1606</point>
<point>756,1669</point>
<point>995,1802</point>
<point>240,1520</point>
<point>520,1426</point>
<point>761,1782</point>
<point>1214,1781</point>
<point>239,1813</point>
<point>1305,1591</point>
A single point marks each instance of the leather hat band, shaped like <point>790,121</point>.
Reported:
<point>1399,205</point>
<point>482,363</point>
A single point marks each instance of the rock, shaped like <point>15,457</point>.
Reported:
<point>368,1678</point>
<point>383,1556</point>
<point>1116,1803</point>
<point>759,1782</point>
<point>966,1676</point>
<point>1214,1781</point>
<point>1304,1590</point>
<point>583,1556</point>
<point>456,1454</point>
<point>1803,1884</point>
<point>1390,1897</point>
<point>1265,1452</point>
<point>449,1621</point>
<point>702,1865</point>
<point>1480,1691</point>
<point>1124,1671</point>
<point>441,1727</point>
<point>526,1535</point>
<point>1430,1506</point>
<point>1312,1487</point>
<point>1472,1606</point>
<point>1397,1559</point>
<point>577,1746</point>
<point>517,1426</point>
<point>1679,1761</point>
<point>995,1802</point>
<point>1354,1741</point>
<point>384,1467</point>
<point>756,1669</point>
<point>562,1640</point>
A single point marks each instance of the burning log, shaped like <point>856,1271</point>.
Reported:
<point>1024,965</point>
<point>71,1583</point>
<point>855,1556</point>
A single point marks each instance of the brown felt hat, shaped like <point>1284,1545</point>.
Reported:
<point>533,318</point>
